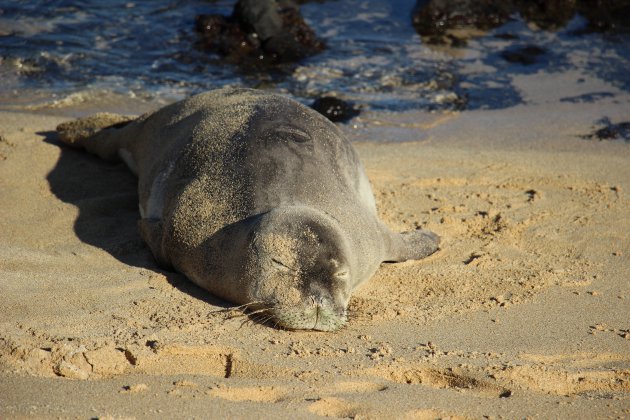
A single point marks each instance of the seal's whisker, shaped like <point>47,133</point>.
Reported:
<point>264,319</point>
<point>236,308</point>
<point>247,305</point>
<point>255,318</point>
<point>246,321</point>
<point>258,311</point>
<point>356,317</point>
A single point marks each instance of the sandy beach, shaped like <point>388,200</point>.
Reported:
<point>524,312</point>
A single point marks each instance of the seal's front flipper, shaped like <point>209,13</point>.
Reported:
<point>97,133</point>
<point>413,245</point>
<point>151,233</point>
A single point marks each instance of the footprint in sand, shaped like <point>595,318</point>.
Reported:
<point>441,378</point>
<point>349,387</point>
<point>266,394</point>
<point>336,407</point>
<point>589,374</point>
<point>431,414</point>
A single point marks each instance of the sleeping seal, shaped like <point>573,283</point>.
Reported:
<point>256,198</point>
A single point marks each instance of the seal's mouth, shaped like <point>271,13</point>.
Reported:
<point>314,317</point>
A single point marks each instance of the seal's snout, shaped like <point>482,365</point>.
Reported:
<point>315,312</point>
<point>320,302</point>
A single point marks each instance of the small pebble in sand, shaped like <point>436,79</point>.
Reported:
<point>135,388</point>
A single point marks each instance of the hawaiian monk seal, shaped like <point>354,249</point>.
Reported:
<point>256,198</point>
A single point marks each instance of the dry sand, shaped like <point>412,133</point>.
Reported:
<point>524,312</point>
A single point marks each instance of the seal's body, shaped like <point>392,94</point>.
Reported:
<point>256,198</point>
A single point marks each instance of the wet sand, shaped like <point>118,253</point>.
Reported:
<point>522,313</point>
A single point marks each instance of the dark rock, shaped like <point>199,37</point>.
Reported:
<point>436,20</point>
<point>606,15</point>
<point>526,55</point>
<point>610,131</point>
<point>456,42</point>
<point>547,14</point>
<point>433,19</point>
<point>259,17</point>
<point>507,36</point>
<point>336,110</point>
<point>222,35</point>
<point>587,97</point>
<point>266,32</point>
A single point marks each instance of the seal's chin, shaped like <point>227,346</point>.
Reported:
<point>313,317</point>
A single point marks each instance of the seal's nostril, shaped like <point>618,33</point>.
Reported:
<point>318,301</point>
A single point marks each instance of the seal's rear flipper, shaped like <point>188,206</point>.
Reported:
<point>413,245</point>
<point>94,133</point>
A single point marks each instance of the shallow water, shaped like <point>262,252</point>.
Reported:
<point>146,49</point>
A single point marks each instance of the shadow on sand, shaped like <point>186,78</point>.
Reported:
<point>107,198</point>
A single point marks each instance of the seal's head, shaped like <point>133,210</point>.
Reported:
<point>300,270</point>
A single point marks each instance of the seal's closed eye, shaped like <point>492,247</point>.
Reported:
<point>282,266</point>
<point>293,133</point>
<point>342,275</point>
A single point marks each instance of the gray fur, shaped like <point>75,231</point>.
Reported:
<point>258,199</point>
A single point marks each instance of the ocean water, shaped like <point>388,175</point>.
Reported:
<point>51,50</point>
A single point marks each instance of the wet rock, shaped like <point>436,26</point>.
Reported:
<point>588,97</point>
<point>434,20</point>
<point>546,14</point>
<point>506,36</point>
<point>610,131</point>
<point>605,15</point>
<point>336,110</point>
<point>526,55</point>
<point>451,21</point>
<point>259,32</point>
